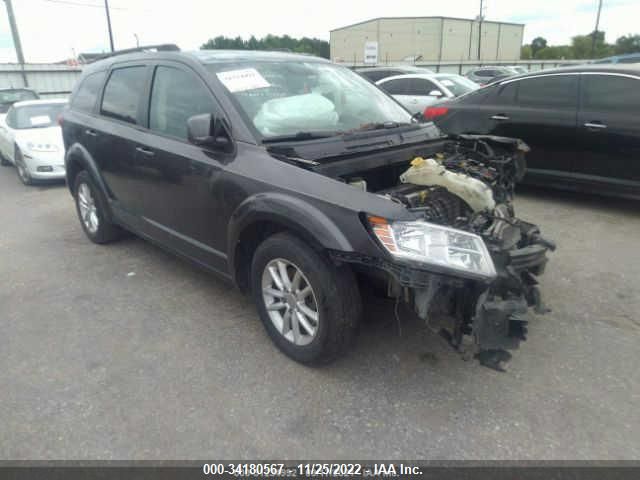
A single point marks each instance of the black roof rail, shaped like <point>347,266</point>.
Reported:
<point>162,47</point>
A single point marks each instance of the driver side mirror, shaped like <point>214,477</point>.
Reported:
<point>435,93</point>
<point>207,130</point>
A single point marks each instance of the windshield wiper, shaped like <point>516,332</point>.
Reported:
<point>299,136</point>
<point>367,127</point>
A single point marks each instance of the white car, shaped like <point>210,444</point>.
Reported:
<point>31,139</point>
<point>418,91</point>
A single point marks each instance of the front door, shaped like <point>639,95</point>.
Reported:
<point>177,181</point>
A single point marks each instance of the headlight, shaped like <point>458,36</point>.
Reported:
<point>435,245</point>
<point>42,147</point>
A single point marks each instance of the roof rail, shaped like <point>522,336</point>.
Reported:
<point>162,47</point>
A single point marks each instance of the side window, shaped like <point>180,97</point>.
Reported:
<point>610,93</point>
<point>85,97</point>
<point>484,73</point>
<point>399,86</point>
<point>374,76</point>
<point>634,59</point>
<point>421,87</point>
<point>548,91</point>
<point>122,93</point>
<point>505,94</point>
<point>175,96</point>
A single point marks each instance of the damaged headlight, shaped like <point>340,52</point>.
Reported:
<point>435,245</point>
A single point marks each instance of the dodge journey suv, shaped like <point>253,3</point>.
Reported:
<point>295,179</point>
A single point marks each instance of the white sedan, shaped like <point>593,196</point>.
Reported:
<point>31,139</point>
<point>417,91</point>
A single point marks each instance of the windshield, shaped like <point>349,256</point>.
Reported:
<point>12,96</point>
<point>456,84</point>
<point>284,98</point>
<point>37,116</point>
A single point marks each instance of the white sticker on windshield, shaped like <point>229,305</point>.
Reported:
<point>40,120</point>
<point>241,80</point>
<point>447,83</point>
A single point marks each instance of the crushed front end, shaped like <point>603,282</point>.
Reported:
<point>475,278</point>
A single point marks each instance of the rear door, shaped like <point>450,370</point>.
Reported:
<point>115,137</point>
<point>609,128</point>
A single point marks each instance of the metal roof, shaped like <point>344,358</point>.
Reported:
<point>423,18</point>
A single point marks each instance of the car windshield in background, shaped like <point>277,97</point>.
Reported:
<point>37,116</point>
<point>456,84</point>
<point>12,96</point>
<point>285,98</point>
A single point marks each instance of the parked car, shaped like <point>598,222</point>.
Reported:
<point>517,69</point>
<point>9,96</point>
<point>417,92</point>
<point>30,139</point>
<point>582,124</point>
<point>485,75</point>
<point>284,174</point>
<point>629,58</point>
<point>378,73</point>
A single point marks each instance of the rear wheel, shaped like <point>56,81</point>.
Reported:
<point>310,308</point>
<point>91,206</point>
<point>3,161</point>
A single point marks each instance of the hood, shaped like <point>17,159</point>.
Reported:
<point>50,138</point>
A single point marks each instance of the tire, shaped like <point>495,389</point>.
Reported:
<point>21,168</point>
<point>93,218</point>
<point>3,161</point>
<point>334,297</point>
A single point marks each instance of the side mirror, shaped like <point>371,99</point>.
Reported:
<point>435,93</point>
<point>209,131</point>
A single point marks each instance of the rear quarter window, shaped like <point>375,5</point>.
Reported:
<point>87,92</point>
<point>122,93</point>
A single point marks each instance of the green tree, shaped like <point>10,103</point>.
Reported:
<point>312,46</point>
<point>582,46</point>
<point>525,52</point>
<point>627,44</point>
<point>537,44</point>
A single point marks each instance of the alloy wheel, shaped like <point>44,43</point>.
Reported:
<point>290,301</point>
<point>88,209</point>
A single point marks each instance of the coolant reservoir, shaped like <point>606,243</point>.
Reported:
<point>428,172</point>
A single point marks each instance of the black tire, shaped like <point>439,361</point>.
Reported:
<point>21,168</point>
<point>337,295</point>
<point>106,231</point>
<point>3,161</point>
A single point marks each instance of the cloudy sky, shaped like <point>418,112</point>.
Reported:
<point>52,30</point>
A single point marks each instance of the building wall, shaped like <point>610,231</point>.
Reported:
<point>49,80</point>
<point>443,39</point>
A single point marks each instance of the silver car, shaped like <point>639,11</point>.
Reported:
<point>417,92</point>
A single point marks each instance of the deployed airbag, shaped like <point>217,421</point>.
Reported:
<point>281,116</point>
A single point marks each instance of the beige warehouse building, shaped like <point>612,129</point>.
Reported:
<point>425,39</point>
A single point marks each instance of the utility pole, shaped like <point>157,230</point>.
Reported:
<point>16,40</point>
<point>595,32</point>
<point>480,29</point>
<point>106,7</point>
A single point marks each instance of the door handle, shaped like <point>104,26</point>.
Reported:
<point>499,116</point>
<point>595,125</point>
<point>145,151</point>
<point>90,132</point>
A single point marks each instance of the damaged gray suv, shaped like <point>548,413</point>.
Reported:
<point>295,179</point>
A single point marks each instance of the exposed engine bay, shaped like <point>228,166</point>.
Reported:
<point>469,186</point>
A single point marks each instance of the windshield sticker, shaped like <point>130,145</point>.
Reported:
<point>447,83</point>
<point>40,120</point>
<point>241,80</point>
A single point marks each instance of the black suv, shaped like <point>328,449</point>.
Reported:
<point>291,177</point>
<point>582,124</point>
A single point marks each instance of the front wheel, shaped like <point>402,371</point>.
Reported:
<point>309,307</point>
<point>21,168</point>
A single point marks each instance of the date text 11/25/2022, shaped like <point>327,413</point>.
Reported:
<point>310,469</point>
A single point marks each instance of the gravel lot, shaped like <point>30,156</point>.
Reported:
<point>125,352</point>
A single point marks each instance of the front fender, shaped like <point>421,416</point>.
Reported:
<point>294,213</point>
